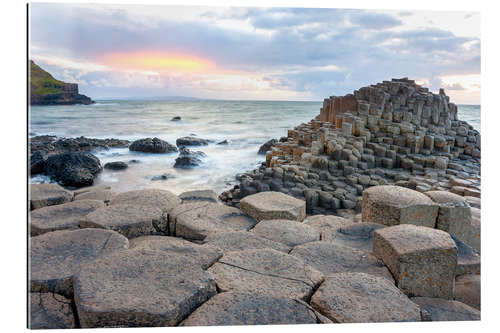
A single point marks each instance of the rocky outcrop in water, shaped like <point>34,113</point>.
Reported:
<point>188,159</point>
<point>75,169</point>
<point>154,145</point>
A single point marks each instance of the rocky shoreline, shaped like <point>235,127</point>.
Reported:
<point>343,223</point>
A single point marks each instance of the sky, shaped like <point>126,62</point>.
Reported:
<point>253,53</point>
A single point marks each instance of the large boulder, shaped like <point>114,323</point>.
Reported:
<point>252,309</point>
<point>163,199</point>
<point>75,169</point>
<point>188,159</point>
<point>59,217</point>
<point>363,298</point>
<point>130,221</point>
<point>290,233</point>
<point>42,195</point>
<point>446,310</point>
<point>273,205</point>
<point>267,146</point>
<point>242,240</point>
<point>50,311</point>
<point>197,219</point>
<point>190,141</point>
<point>392,205</point>
<point>468,290</point>
<point>154,145</point>
<point>266,271</point>
<point>140,288</point>
<point>195,254</point>
<point>56,256</point>
<point>422,260</point>
<point>330,258</point>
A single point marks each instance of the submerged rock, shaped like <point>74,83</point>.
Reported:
<point>176,118</point>
<point>267,146</point>
<point>190,141</point>
<point>154,145</point>
<point>118,165</point>
<point>188,159</point>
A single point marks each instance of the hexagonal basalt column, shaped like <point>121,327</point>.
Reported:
<point>422,260</point>
<point>273,205</point>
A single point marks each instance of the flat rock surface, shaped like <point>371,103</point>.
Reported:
<point>392,205</point>
<point>200,195</point>
<point>287,232</point>
<point>101,195</point>
<point>50,311</point>
<point>266,271</point>
<point>446,310</point>
<point>130,221</point>
<point>56,256</point>
<point>163,199</point>
<point>140,288</point>
<point>196,220</point>
<point>273,205</point>
<point>42,195</point>
<point>242,240</point>
<point>59,217</point>
<point>235,308</point>
<point>196,254</point>
<point>363,298</point>
<point>468,290</point>
<point>355,235</point>
<point>326,224</point>
<point>331,258</point>
<point>422,260</point>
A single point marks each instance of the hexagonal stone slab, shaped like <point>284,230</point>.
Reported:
<point>265,271</point>
<point>242,240</point>
<point>273,205</point>
<point>468,261</point>
<point>454,214</point>
<point>363,298</point>
<point>393,205</point>
<point>193,253</point>
<point>355,235</point>
<point>331,258</point>
<point>56,256</point>
<point>50,311</point>
<point>286,232</point>
<point>59,217</point>
<point>101,195</point>
<point>200,195</point>
<point>197,219</point>
<point>42,195</point>
<point>326,224</point>
<point>236,308</point>
<point>163,199</point>
<point>130,221</point>
<point>421,259</point>
<point>468,290</point>
<point>446,310</point>
<point>140,288</point>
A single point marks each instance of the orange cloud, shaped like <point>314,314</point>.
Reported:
<point>156,61</point>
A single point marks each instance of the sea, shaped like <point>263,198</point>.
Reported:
<point>245,124</point>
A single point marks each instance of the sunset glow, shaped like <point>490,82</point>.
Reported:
<point>156,61</point>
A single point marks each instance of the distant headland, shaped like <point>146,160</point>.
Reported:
<point>46,90</point>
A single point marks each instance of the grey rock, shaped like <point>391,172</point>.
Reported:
<point>154,145</point>
<point>42,195</point>
<point>273,205</point>
<point>190,141</point>
<point>50,311</point>
<point>447,310</point>
<point>242,240</point>
<point>290,233</point>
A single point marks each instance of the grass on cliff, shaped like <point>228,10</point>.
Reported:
<point>42,83</point>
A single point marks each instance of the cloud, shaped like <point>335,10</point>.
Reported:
<point>455,86</point>
<point>375,21</point>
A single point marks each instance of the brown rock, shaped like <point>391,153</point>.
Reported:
<point>242,240</point>
<point>355,235</point>
<point>102,195</point>
<point>393,205</point>
<point>446,310</point>
<point>468,290</point>
<point>363,298</point>
<point>273,205</point>
<point>265,271</point>
<point>59,217</point>
<point>56,256</point>
<point>42,195</point>
<point>326,224</point>
<point>422,260</point>
<point>331,258</point>
<point>140,288</point>
<point>165,200</point>
<point>286,232</point>
<point>50,311</point>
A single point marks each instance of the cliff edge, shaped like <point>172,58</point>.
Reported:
<point>46,90</point>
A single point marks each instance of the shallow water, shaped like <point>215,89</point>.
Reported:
<point>247,124</point>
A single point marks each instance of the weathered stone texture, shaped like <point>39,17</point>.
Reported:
<point>273,205</point>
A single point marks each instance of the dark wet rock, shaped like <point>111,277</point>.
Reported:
<point>56,256</point>
<point>224,142</point>
<point>199,195</point>
<point>236,308</point>
<point>50,311</point>
<point>242,240</point>
<point>48,144</point>
<point>188,159</point>
<point>60,217</point>
<point>140,288</point>
<point>76,169</point>
<point>42,195</point>
<point>266,271</point>
<point>134,161</point>
<point>37,163</point>
<point>176,118</point>
<point>267,146</point>
<point>190,141</point>
<point>439,309</point>
<point>363,298</point>
<point>154,145</point>
<point>165,176</point>
<point>118,165</point>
